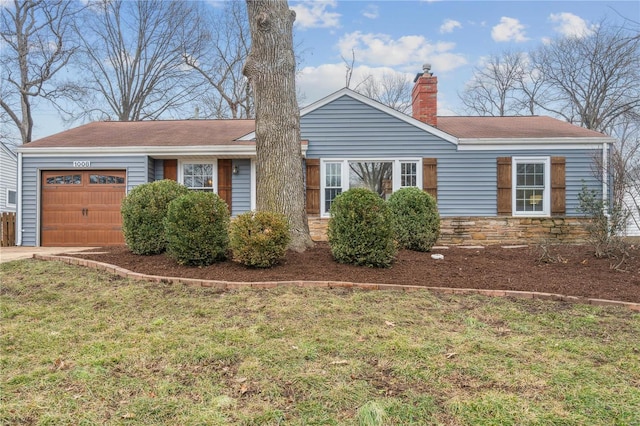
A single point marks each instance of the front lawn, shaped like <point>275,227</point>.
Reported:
<point>83,347</point>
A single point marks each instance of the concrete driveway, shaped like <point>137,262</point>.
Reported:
<point>7,254</point>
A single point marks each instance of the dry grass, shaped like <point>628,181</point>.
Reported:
<point>82,347</point>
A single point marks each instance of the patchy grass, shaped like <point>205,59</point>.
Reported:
<point>82,347</point>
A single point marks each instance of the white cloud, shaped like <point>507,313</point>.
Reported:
<point>509,29</point>
<point>314,83</point>
<point>315,14</point>
<point>570,25</point>
<point>407,52</point>
<point>371,12</point>
<point>449,25</point>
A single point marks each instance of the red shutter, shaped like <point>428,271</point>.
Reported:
<point>430,176</point>
<point>171,169</point>
<point>224,181</point>
<point>504,186</point>
<point>313,186</point>
<point>558,186</point>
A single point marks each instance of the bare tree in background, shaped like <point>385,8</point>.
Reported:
<point>392,90</point>
<point>594,81</point>
<point>219,57</point>
<point>496,87</point>
<point>270,68</point>
<point>132,60</point>
<point>37,44</point>
<point>591,80</point>
<point>624,168</point>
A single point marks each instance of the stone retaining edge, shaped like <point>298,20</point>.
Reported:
<point>231,285</point>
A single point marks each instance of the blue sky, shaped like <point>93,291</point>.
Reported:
<point>400,36</point>
<point>453,36</point>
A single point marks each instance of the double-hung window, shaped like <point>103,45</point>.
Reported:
<point>332,183</point>
<point>532,183</point>
<point>380,176</point>
<point>198,176</point>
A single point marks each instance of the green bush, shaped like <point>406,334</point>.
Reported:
<point>360,230</point>
<point>143,211</point>
<point>259,239</point>
<point>196,228</point>
<point>414,218</point>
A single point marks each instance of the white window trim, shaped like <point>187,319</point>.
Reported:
<point>546,194</point>
<point>213,162</point>
<point>7,203</point>
<point>345,173</point>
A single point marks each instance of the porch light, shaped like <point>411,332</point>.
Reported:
<point>235,170</point>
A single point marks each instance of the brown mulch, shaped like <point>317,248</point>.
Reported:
<point>569,270</point>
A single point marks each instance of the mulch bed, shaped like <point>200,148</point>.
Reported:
<point>573,270</point>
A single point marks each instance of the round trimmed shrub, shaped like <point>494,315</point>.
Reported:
<point>143,211</point>
<point>259,239</point>
<point>360,230</point>
<point>196,228</point>
<point>414,218</point>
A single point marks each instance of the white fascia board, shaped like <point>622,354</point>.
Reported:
<point>519,144</point>
<point>154,151</point>
<point>245,150</point>
<point>374,104</point>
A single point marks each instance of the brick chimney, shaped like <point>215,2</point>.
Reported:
<point>424,97</point>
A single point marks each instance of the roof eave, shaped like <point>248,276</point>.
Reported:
<point>481,144</point>
<point>178,151</point>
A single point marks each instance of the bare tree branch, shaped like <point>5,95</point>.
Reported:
<point>133,59</point>
<point>496,87</point>
<point>38,44</point>
<point>219,57</point>
<point>591,80</point>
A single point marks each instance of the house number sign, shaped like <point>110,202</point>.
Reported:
<point>81,164</point>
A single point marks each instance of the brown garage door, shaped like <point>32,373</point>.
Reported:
<point>82,208</point>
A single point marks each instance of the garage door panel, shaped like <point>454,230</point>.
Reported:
<point>104,237</point>
<point>60,236</point>
<point>99,217</point>
<point>82,208</point>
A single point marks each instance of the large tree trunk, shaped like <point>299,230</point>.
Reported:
<point>270,68</point>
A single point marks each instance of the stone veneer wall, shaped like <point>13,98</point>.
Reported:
<point>493,230</point>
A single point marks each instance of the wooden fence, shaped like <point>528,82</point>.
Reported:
<point>8,232</point>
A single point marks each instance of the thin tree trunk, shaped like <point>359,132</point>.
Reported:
<point>270,68</point>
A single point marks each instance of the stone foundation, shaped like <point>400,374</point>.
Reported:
<point>493,230</point>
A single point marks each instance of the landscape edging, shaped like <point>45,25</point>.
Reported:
<point>231,285</point>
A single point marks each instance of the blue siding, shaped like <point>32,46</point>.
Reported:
<point>137,168</point>
<point>8,177</point>
<point>241,187</point>
<point>467,180</point>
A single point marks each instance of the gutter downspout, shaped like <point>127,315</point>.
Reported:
<point>19,203</point>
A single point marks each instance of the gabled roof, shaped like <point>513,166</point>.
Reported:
<point>237,136</point>
<point>374,104</point>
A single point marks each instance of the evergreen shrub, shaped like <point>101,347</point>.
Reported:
<point>196,228</point>
<point>414,218</point>
<point>259,239</point>
<point>143,211</point>
<point>359,229</point>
